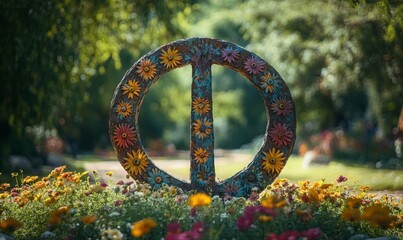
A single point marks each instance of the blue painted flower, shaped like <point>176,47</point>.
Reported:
<point>268,83</point>
<point>233,188</point>
<point>157,178</point>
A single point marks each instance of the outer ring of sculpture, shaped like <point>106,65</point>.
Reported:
<point>280,109</point>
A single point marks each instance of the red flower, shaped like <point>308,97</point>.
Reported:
<point>124,136</point>
<point>282,106</point>
<point>280,135</point>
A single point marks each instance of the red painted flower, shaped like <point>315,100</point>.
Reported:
<point>282,106</point>
<point>123,136</point>
<point>280,135</point>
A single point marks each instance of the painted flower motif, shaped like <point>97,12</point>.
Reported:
<point>201,155</point>
<point>146,69</point>
<point>123,135</point>
<point>136,162</point>
<point>273,161</point>
<point>268,84</point>
<point>280,135</point>
<point>170,58</point>
<point>124,109</point>
<point>254,65</point>
<point>157,178</point>
<point>229,54</point>
<point>201,105</point>
<point>233,189</point>
<point>282,106</point>
<point>204,176</point>
<point>132,88</point>
<point>202,129</point>
<point>254,178</point>
<point>143,227</point>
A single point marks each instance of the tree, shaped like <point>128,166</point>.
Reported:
<point>51,48</point>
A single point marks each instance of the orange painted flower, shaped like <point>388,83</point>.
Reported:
<point>170,58</point>
<point>123,135</point>
<point>124,109</point>
<point>199,199</point>
<point>132,88</point>
<point>143,227</point>
<point>136,162</point>
<point>88,219</point>
<point>201,155</point>
<point>273,161</point>
<point>10,225</point>
<point>201,105</point>
<point>202,129</point>
<point>146,69</point>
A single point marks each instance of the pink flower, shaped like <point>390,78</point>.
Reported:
<point>174,228</point>
<point>341,178</point>
<point>282,106</point>
<point>254,65</point>
<point>193,212</point>
<point>118,202</point>
<point>245,221</point>
<point>229,54</point>
<point>280,135</point>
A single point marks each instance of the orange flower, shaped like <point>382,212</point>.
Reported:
<point>146,69</point>
<point>88,219</point>
<point>274,202</point>
<point>305,215</point>
<point>265,218</point>
<point>136,162</point>
<point>170,58</point>
<point>202,129</point>
<point>124,109</point>
<point>378,215</point>
<point>201,105</point>
<point>273,161</point>
<point>201,155</point>
<point>10,225</point>
<point>199,199</point>
<point>353,202</point>
<point>142,227</point>
<point>132,88</point>
<point>351,214</point>
<point>29,179</point>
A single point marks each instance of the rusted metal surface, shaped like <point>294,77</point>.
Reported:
<point>201,54</point>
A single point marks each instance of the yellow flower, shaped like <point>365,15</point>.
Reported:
<point>201,105</point>
<point>365,188</point>
<point>201,155</point>
<point>353,202</point>
<point>110,173</point>
<point>88,219</point>
<point>146,69</point>
<point>199,199</point>
<point>202,129</point>
<point>305,215</point>
<point>29,179</point>
<point>351,214</point>
<point>10,225</point>
<point>265,218</point>
<point>51,199</point>
<point>124,109</point>
<point>315,195</point>
<point>273,161</point>
<point>136,162</point>
<point>142,227</point>
<point>378,215</point>
<point>170,58</point>
<point>132,88</point>
<point>273,201</point>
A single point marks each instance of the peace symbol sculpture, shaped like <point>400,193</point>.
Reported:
<point>201,53</point>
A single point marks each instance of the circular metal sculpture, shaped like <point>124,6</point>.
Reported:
<point>201,53</point>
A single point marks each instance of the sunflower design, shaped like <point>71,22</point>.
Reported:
<point>268,84</point>
<point>204,176</point>
<point>201,105</point>
<point>273,161</point>
<point>280,135</point>
<point>136,162</point>
<point>202,129</point>
<point>146,69</point>
<point>157,178</point>
<point>124,109</point>
<point>170,58</point>
<point>201,155</point>
<point>123,136</point>
<point>132,88</point>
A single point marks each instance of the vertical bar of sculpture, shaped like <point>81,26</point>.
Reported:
<point>202,173</point>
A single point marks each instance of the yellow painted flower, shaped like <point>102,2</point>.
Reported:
<point>351,214</point>
<point>146,69</point>
<point>88,219</point>
<point>124,109</point>
<point>201,155</point>
<point>199,199</point>
<point>201,105</point>
<point>136,162</point>
<point>273,161</point>
<point>10,225</point>
<point>378,215</point>
<point>143,227</point>
<point>132,88</point>
<point>170,58</point>
<point>202,129</point>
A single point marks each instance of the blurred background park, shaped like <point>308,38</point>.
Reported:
<point>342,60</point>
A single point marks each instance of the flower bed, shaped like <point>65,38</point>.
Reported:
<point>66,205</point>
